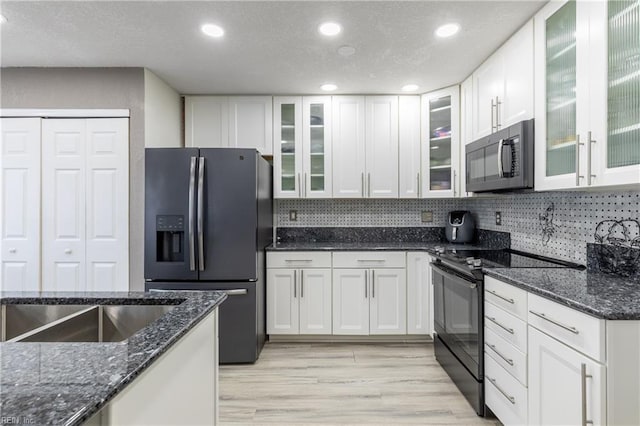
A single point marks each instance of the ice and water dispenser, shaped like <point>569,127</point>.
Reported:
<point>170,238</point>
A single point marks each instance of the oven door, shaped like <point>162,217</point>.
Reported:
<point>458,316</point>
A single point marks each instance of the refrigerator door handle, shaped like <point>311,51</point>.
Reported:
<point>192,189</point>
<point>201,214</point>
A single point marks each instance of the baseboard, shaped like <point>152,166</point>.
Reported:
<point>281,338</point>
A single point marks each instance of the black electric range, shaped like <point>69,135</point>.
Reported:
<point>458,293</point>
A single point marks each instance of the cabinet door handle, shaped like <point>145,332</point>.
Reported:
<point>295,283</point>
<point>492,117</point>
<point>498,123</point>
<point>552,321</point>
<point>506,395</point>
<point>370,260</point>
<point>504,327</point>
<point>301,283</point>
<point>418,190</point>
<point>13,250</point>
<point>583,387</point>
<point>507,360</point>
<point>362,183</point>
<point>373,283</point>
<point>368,184</point>
<point>589,144</point>
<point>578,145</point>
<point>298,260</point>
<point>366,283</point>
<point>304,185</point>
<point>506,299</point>
<point>454,183</point>
<point>299,186</point>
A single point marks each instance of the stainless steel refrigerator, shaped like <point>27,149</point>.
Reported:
<point>208,219</point>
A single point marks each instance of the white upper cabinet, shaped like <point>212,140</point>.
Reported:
<point>381,145</point>
<point>503,85</point>
<point>302,147</point>
<point>587,99</point>
<point>440,142</point>
<point>409,146</point>
<point>229,121</point>
<point>287,147</point>
<point>348,146</point>
<point>206,121</point>
<point>20,159</point>
<point>466,130</point>
<point>250,121</point>
<point>316,147</point>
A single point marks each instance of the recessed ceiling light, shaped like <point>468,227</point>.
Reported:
<point>2,19</point>
<point>346,51</point>
<point>329,29</point>
<point>409,87</point>
<point>447,30</point>
<point>212,30</point>
<point>328,87</point>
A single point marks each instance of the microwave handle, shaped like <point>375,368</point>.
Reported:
<point>500,167</point>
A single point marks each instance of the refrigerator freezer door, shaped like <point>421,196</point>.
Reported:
<point>169,217</point>
<point>230,215</point>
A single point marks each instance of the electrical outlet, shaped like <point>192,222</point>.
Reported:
<point>293,215</point>
<point>498,218</point>
<point>427,216</point>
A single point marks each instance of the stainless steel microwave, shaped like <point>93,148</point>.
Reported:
<point>501,161</point>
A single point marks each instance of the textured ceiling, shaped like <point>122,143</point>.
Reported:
<point>270,47</point>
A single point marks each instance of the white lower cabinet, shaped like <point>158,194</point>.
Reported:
<point>388,301</point>
<point>506,397</point>
<point>350,301</point>
<point>565,386</point>
<point>299,298</point>
<point>419,294</point>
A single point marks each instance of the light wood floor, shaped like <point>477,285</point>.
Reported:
<point>339,383</point>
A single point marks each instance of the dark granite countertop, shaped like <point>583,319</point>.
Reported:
<point>67,383</point>
<point>603,296</point>
<point>369,246</point>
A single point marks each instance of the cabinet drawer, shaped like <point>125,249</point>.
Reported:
<point>369,259</point>
<point>508,297</point>
<point>506,397</point>
<point>506,355</point>
<point>299,259</point>
<point>582,332</point>
<point>505,325</point>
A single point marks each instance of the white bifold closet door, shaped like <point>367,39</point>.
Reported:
<point>85,204</point>
<point>20,183</point>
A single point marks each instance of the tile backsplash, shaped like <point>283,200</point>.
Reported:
<point>549,223</point>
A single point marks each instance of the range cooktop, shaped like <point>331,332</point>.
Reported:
<point>505,258</point>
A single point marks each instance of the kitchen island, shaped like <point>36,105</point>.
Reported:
<point>165,372</point>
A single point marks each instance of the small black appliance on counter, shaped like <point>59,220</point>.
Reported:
<point>460,227</point>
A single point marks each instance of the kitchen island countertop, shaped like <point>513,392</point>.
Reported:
<point>67,383</point>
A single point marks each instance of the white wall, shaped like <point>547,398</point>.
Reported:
<point>162,113</point>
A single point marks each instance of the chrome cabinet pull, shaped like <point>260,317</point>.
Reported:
<point>366,283</point>
<point>506,395</point>
<point>418,190</point>
<point>301,283</point>
<point>299,186</point>
<point>362,183</point>
<point>578,145</point>
<point>201,214</point>
<point>304,185</point>
<point>589,143</point>
<point>492,117</point>
<point>454,183</point>
<point>298,260</point>
<point>552,321</point>
<point>192,200</point>
<point>583,385</point>
<point>504,327</point>
<point>373,283</point>
<point>507,360</point>
<point>368,184</point>
<point>498,123</point>
<point>370,260</point>
<point>506,299</point>
<point>295,282</point>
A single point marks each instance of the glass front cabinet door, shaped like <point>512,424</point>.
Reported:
<point>440,142</point>
<point>302,148</point>
<point>587,97</point>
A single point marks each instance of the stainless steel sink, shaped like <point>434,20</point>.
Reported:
<point>76,323</point>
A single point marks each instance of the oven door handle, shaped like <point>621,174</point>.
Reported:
<point>455,278</point>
